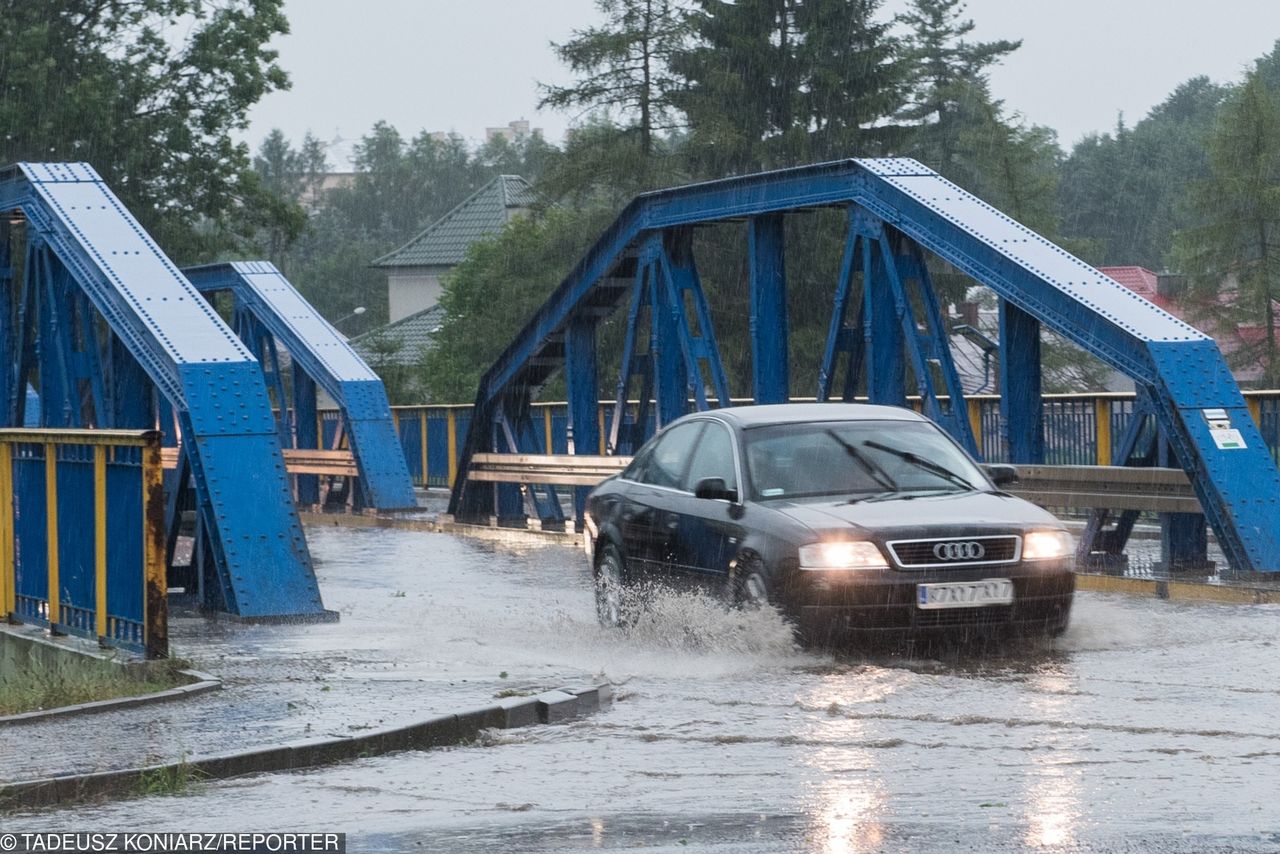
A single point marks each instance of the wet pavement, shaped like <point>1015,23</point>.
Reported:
<point>1150,726</point>
<point>412,641</point>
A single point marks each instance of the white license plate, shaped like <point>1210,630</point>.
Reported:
<point>965,594</point>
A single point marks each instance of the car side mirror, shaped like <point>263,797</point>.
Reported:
<point>1003,475</point>
<point>716,489</point>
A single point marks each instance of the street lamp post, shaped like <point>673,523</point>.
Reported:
<point>359,310</point>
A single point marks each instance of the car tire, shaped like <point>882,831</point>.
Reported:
<point>611,589</point>
<point>749,588</point>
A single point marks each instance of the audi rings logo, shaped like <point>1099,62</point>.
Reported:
<point>959,551</point>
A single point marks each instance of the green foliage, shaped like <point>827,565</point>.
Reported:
<point>948,82</point>
<point>400,186</point>
<point>603,165</point>
<point>774,83</point>
<point>149,92</point>
<point>1231,255</point>
<point>1124,194</point>
<point>623,65</point>
<point>491,295</point>
<point>26,689</point>
<point>400,374</point>
<point>175,779</point>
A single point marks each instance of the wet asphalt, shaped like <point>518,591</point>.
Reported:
<point>1150,726</point>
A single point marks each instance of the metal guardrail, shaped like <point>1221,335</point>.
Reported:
<point>108,581</point>
<point>1157,490</point>
<point>339,463</point>
<point>1076,487</point>
<point>555,469</point>
<point>1079,429</point>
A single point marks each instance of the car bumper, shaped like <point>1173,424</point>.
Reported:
<point>886,600</point>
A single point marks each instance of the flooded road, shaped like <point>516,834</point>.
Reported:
<point>1149,726</point>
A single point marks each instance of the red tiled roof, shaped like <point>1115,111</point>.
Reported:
<point>1144,283</point>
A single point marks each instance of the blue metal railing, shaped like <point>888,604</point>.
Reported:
<point>82,535</point>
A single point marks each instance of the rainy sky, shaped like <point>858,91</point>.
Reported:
<point>464,65</point>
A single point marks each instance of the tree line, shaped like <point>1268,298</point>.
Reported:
<point>154,93</point>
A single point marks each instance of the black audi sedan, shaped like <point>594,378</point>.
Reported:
<point>846,517</point>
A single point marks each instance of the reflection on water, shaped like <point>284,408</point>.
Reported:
<point>850,802</point>
<point>597,833</point>
<point>848,816</point>
<point>1053,796</point>
<point>1053,803</point>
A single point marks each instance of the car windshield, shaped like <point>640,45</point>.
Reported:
<point>860,459</point>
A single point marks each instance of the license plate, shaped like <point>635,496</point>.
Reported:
<point>965,594</point>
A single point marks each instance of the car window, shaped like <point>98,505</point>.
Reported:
<point>856,458</point>
<point>713,458</point>
<point>666,462</point>
<point>638,463</point>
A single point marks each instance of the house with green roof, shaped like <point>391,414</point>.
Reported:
<point>415,270</point>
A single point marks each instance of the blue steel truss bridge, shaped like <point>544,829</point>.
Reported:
<point>886,329</point>
<point>113,336</point>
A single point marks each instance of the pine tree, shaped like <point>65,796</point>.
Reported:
<point>1233,257</point>
<point>852,74</point>
<point>780,82</point>
<point>948,78</point>
<point>624,65</point>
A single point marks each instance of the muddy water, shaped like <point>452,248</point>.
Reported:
<point>1149,726</point>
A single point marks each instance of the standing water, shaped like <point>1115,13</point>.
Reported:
<point>1148,726</point>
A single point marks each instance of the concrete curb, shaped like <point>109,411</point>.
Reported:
<point>446,730</point>
<point>1179,591</point>
<point>201,683</point>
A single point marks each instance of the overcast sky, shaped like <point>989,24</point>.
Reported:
<point>464,65</point>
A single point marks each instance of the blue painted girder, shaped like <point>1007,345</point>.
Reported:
<point>199,367</point>
<point>324,355</point>
<point>1180,366</point>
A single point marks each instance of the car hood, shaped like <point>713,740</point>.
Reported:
<point>919,516</point>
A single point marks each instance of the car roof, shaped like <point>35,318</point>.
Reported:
<point>793,413</point>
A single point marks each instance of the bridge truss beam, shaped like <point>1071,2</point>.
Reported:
<point>271,315</point>
<point>897,211</point>
<point>113,336</point>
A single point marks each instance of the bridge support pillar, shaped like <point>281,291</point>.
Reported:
<point>769,327</point>
<point>1021,406</point>
<point>670,373</point>
<point>584,396</point>
<point>509,500</point>
<point>306,433</point>
<point>886,364</point>
<point>1184,537</point>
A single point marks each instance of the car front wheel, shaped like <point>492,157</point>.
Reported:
<point>750,586</point>
<point>611,607</point>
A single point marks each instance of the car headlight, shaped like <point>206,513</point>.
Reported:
<point>845,554</point>
<point>1046,545</point>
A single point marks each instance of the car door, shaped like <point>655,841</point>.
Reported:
<point>649,519</point>
<point>708,530</point>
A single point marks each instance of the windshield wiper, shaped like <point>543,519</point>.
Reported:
<point>874,471</point>
<point>872,497</point>
<point>921,463</point>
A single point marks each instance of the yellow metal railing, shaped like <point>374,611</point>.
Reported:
<point>1082,427</point>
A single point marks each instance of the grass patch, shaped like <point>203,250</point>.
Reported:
<point>34,688</point>
<point>173,780</point>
